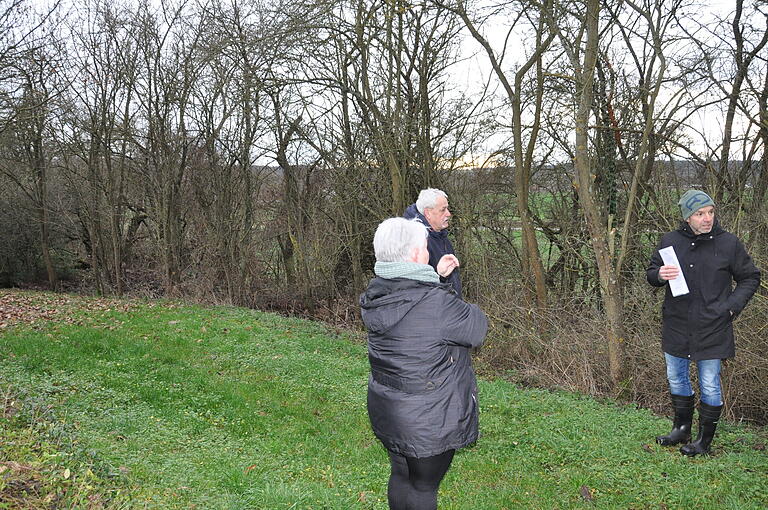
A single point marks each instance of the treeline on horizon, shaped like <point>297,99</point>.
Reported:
<point>244,152</point>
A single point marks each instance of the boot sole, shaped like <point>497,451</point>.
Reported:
<point>664,442</point>
<point>694,453</point>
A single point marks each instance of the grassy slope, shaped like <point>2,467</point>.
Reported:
<point>172,406</point>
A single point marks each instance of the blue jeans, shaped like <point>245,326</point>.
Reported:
<point>679,377</point>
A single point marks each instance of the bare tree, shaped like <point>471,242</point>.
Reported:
<point>226,112</point>
<point>21,31</point>
<point>166,46</point>
<point>29,83</point>
<point>100,153</point>
<point>397,57</point>
<point>743,58</point>
<point>533,268</point>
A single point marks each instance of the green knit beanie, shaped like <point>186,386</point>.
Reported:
<point>693,200</point>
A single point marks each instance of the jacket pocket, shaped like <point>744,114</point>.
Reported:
<point>715,311</point>
<point>714,318</point>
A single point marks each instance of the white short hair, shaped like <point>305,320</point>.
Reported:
<point>428,198</point>
<point>395,239</point>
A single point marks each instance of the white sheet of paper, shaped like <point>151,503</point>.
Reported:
<point>678,287</point>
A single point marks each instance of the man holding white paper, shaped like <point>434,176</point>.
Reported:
<point>698,264</point>
<point>677,285</point>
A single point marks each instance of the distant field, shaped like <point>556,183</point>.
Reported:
<point>129,404</point>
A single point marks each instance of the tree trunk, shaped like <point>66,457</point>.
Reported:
<point>532,266</point>
<point>610,289</point>
<point>41,184</point>
<point>743,61</point>
<point>760,229</point>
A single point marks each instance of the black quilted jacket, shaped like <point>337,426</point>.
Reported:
<point>422,392</point>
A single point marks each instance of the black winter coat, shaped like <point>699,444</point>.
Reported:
<point>699,325</point>
<point>438,245</point>
<point>422,392</point>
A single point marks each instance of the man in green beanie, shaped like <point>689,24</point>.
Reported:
<point>698,324</point>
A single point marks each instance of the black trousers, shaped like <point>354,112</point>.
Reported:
<point>413,483</point>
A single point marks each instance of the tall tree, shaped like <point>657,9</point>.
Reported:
<point>533,268</point>
<point>29,83</point>
<point>100,152</point>
<point>226,110</point>
<point>167,39</point>
<point>743,57</point>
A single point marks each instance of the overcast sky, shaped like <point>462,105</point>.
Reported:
<point>472,74</point>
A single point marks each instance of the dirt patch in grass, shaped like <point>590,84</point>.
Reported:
<point>20,486</point>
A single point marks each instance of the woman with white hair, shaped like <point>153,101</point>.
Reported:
<point>422,392</point>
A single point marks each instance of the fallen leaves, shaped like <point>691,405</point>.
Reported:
<point>27,486</point>
<point>14,467</point>
<point>19,483</point>
<point>31,308</point>
<point>17,308</point>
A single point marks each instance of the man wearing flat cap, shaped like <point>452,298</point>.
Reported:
<point>698,325</point>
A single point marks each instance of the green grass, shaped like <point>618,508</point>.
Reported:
<point>161,405</point>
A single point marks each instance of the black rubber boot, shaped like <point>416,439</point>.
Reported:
<point>708,418</point>
<point>681,427</point>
